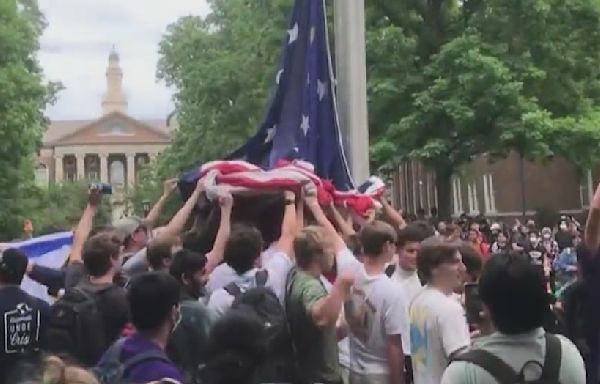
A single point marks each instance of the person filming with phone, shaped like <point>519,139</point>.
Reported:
<point>514,298</point>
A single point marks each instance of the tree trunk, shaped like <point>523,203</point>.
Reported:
<point>442,185</point>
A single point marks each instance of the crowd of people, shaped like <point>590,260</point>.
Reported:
<point>301,293</point>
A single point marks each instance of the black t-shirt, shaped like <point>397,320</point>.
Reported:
<point>23,322</point>
<point>112,303</point>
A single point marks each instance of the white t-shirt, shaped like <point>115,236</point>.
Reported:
<point>410,283</point>
<point>377,309</point>
<point>277,266</point>
<point>223,274</point>
<point>516,350</point>
<point>438,327</point>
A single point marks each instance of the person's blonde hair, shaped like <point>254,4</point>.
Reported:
<point>308,245</point>
<point>56,371</point>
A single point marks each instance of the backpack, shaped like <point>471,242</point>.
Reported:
<point>76,326</point>
<point>279,363</point>
<point>504,374</point>
<point>111,370</point>
<point>390,269</point>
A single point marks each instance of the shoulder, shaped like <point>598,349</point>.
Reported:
<point>219,301</point>
<point>347,260</point>
<point>155,369</point>
<point>572,369</point>
<point>466,373</point>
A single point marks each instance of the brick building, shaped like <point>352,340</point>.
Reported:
<point>495,189</point>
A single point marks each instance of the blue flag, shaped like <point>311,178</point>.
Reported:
<point>301,122</point>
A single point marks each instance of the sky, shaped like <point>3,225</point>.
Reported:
<point>79,37</point>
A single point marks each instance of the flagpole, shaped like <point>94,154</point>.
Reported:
<point>351,90</point>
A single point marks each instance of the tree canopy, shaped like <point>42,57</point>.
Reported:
<point>448,80</point>
<point>23,98</point>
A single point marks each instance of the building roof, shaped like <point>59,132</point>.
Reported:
<point>61,129</point>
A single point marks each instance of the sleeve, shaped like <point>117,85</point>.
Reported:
<point>312,292</point>
<point>136,264</point>
<point>50,277</point>
<point>454,329</point>
<point>395,318</point>
<point>74,273</point>
<point>219,302</point>
<point>346,261</point>
<point>278,265</point>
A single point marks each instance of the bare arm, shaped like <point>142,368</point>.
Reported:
<point>342,224</point>
<point>395,358</point>
<point>177,223</point>
<point>84,227</point>
<point>323,221</point>
<point>215,256</point>
<point>592,227</point>
<point>325,312</point>
<point>299,215</point>
<point>392,214</point>
<point>152,217</point>
<point>285,243</point>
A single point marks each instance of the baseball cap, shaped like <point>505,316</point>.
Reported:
<point>13,264</point>
<point>127,226</point>
<point>496,227</point>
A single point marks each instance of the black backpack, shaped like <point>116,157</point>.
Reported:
<point>76,327</point>
<point>279,364</point>
<point>504,374</point>
<point>390,269</point>
<point>112,370</point>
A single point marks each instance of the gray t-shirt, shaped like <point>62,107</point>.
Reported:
<point>136,264</point>
<point>515,351</point>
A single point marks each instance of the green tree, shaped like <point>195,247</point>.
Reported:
<point>23,98</point>
<point>223,67</point>
<point>484,77</point>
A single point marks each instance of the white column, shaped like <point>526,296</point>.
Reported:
<point>80,166</point>
<point>103,167</point>
<point>130,169</point>
<point>492,193</point>
<point>486,200</point>
<point>58,168</point>
<point>351,92</point>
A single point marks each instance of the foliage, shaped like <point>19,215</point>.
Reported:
<point>222,67</point>
<point>60,206</point>
<point>483,77</point>
<point>23,98</point>
<point>448,80</point>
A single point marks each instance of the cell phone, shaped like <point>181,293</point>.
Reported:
<point>473,303</point>
<point>104,188</point>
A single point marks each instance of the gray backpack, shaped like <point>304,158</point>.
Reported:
<point>504,374</point>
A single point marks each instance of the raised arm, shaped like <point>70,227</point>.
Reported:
<point>592,227</point>
<point>285,243</point>
<point>84,227</point>
<point>325,312</point>
<point>313,204</point>
<point>152,217</point>
<point>343,225</point>
<point>392,214</point>
<point>177,223</point>
<point>215,256</point>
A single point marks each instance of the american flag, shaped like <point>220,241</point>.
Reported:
<point>302,122</point>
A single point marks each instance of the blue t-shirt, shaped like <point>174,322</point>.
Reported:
<point>148,370</point>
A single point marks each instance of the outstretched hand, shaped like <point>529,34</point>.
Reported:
<point>226,200</point>
<point>169,186</point>
<point>94,196</point>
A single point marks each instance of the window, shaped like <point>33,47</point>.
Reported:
<point>586,189</point>
<point>92,167</point>
<point>457,196</point>
<point>70,168</point>
<point>115,129</point>
<point>42,176</point>
<point>473,198</point>
<point>117,173</point>
<point>489,196</point>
